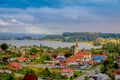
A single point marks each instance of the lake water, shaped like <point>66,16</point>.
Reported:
<point>45,43</point>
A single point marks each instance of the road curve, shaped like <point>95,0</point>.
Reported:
<point>88,73</point>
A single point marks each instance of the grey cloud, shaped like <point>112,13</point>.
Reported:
<point>58,28</point>
<point>62,15</point>
<point>58,20</point>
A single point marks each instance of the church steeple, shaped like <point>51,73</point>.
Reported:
<point>76,44</point>
<point>76,48</point>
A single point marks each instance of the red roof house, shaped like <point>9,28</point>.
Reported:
<point>67,72</point>
<point>14,66</point>
<point>22,58</point>
<point>85,55</point>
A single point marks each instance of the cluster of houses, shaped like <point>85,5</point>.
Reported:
<point>80,60</point>
<point>16,65</point>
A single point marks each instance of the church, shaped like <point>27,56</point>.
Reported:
<point>79,56</point>
<point>75,59</point>
<point>82,55</point>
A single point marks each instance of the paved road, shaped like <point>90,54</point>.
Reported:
<point>88,73</point>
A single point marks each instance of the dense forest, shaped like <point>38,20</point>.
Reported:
<point>80,36</point>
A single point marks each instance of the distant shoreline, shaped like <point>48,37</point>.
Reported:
<point>86,43</point>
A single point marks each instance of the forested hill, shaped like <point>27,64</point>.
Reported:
<point>80,36</point>
<point>65,37</point>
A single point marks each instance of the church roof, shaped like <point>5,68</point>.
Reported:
<point>84,53</point>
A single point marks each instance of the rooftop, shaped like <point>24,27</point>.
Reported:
<point>66,70</point>
<point>15,64</point>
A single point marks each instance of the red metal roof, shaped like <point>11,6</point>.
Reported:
<point>66,70</point>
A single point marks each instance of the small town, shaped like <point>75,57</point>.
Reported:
<point>46,63</point>
<point>59,39</point>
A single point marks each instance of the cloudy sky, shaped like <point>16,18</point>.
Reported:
<point>57,16</point>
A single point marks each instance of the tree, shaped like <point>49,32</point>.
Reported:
<point>7,77</point>
<point>4,46</point>
<point>47,57</point>
<point>107,64</point>
<point>68,55</point>
<point>34,50</point>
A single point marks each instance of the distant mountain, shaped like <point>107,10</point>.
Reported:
<point>20,35</point>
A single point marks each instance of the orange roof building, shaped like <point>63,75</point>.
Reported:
<point>85,55</point>
<point>79,57</point>
<point>22,58</point>
<point>14,66</point>
<point>67,72</point>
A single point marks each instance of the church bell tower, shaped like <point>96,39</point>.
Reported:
<point>76,48</point>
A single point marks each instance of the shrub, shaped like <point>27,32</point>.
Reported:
<point>4,46</point>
